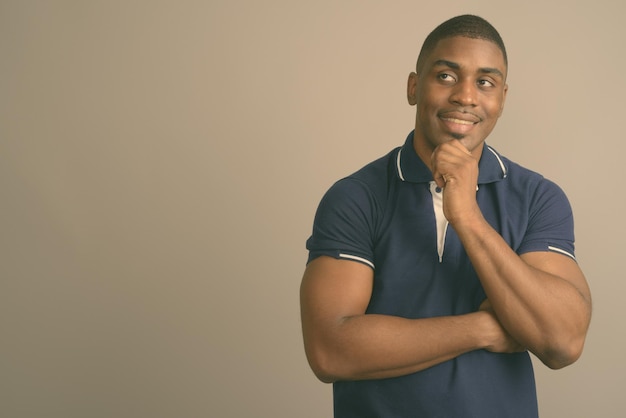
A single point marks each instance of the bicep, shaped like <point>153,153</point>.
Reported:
<point>332,290</point>
<point>561,266</point>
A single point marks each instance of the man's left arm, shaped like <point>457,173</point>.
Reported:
<point>541,298</point>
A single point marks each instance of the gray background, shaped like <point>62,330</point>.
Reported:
<point>161,162</point>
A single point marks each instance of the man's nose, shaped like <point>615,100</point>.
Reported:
<point>465,93</point>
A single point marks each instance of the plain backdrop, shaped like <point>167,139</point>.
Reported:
<point>161,163</point>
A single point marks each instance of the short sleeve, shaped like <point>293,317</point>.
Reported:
<point>345,223</point>
<point>550,223</point>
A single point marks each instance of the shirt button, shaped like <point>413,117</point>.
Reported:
<point>438,189</point>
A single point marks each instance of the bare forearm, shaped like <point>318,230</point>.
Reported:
<point>378,346</point>
<point>343,342</point>
<point>542,311</point>
<point>541,298</point>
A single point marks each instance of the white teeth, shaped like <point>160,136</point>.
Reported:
<point>460,121</point>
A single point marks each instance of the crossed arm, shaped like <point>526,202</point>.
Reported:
<point>344,343</point>
<point>541,298</point>
<point>539,301</point>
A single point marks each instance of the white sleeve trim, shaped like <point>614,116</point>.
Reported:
<point>558,250</point>
<point>356,258</point>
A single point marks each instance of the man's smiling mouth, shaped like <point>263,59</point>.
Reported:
<point>459,116</point>
<point>459,121</point>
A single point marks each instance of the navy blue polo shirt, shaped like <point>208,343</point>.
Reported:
<point>388,216</point>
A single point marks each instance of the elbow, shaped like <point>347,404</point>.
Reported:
<point>557,361</point>
<point>562,355</point>
<point>323,375</point>
<point>562,346</point>
<point>330,363</point>
<point>322,366</point>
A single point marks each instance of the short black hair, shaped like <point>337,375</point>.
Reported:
<point>468,26</point>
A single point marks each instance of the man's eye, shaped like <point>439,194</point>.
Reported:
<point>446,77</point>
<point>485,83</point>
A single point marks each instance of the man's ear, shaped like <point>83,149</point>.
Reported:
<point>411,89</point>
<point>506,89</point>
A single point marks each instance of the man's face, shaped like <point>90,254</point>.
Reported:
<point>459,94</point>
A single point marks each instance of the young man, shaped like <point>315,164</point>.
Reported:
<point>435,269</point>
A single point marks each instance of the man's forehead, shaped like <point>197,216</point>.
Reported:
<point>459,51</point>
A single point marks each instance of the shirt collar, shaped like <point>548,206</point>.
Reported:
<point>410,167</point>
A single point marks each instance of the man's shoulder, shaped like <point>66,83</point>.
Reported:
<point>369,186</point>
<point>519,174</point>
<point>377,173</point>
<point>529,184</point>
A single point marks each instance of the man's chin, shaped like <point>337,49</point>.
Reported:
<point>467,141</point>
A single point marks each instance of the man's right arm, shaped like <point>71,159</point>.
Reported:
<point>342,342</point>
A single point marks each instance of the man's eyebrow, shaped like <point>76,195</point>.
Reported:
<point>494,71</point>
<point>457,66</point>
<point>446,63</point>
